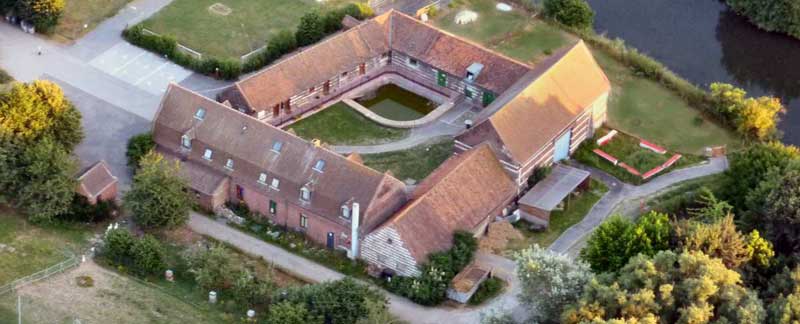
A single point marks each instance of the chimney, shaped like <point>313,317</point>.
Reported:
<point>354,219</point>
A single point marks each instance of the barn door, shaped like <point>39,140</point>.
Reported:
<point>441,78</point>
<point>562,147</point>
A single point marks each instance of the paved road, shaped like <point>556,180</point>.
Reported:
<point>623,192</point>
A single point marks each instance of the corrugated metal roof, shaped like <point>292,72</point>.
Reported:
<point>548,193</point>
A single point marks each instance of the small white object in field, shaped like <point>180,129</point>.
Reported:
<point>503,7</point>
<point>424,17</point>
<point>466,16</point>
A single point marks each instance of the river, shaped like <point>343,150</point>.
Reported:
<point>704,41</point>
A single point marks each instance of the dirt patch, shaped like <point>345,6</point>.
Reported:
<point>220,9</point>
<point>498,236</point>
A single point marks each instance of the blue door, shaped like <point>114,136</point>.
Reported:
<point>562,147</point>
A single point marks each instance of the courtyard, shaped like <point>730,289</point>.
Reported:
<point>229,28</point>
<point>341,125</point>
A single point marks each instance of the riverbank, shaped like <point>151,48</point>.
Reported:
<point>771,15</point>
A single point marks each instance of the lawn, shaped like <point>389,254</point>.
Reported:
<point>637,105</point>
<point>247,27</point>
<point>26,248</point>
<point>90,13</point>
<point>415,163</point>
<point>560,220</point>
<point>342,125</point>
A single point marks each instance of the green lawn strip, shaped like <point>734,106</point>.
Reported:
<point>535,40</point>
<point>489,289</point>
<point>34,247</point>
<point>89,13</point>
<point>415,163</point>
<point>560,220</point>
<point>675,200</point>
<point>249,25</point>
<point>492,25</point>
<point>342,125</point>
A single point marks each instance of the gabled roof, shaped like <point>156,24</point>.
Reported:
<point>548,193</point>
<point>248,142</point>
<point>541,104</point>
<point>345,51</point>
<point>458,195</point>
<point>95,179</point>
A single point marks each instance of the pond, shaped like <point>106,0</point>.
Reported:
<point>705,42</point>
<point>393,102</point>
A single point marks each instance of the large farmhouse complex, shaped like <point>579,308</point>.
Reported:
<point>235,150</point>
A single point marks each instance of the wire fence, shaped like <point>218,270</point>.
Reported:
<point>71,262</point>
<point>181,47</point>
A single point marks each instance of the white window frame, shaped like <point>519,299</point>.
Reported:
<point>303,221</point>
<point>305,194</point>
<point>319,166</point>
<point>275,184</point>
<point>186,142</point>
<point>229,164</point>
<point>279,145</point>
<point>345,212</point>
<point>208,154</point>
<point>262,178</point>
<point>200,113</point>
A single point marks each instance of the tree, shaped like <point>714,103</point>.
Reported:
<point>711,209</point>
<point>690,287</point>
<point>158,197</point>
<point>139,146</point>
<point>549,282</point>
<point>341,301</point>
<point>749,167</point>
<point>43,13</point>
<point>781,222</point>
<point>727,99</point>
<point>148,256</point>
<point>212,268</point>
<point>250,291</point>
<point>573,13</point>
<point>617,240</point>
<point>39,109</point>
<point>759,117</point>
<point>118,245</point>
<point>43,185</point>
<point>720,240</point>
<point>771,15</point>
<point>784,289</point>
<point>288,313</point>
<point>310,30</point>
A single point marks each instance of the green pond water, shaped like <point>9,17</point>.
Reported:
<point>396,103</point>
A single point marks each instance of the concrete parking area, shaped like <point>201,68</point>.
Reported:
<point>139,68</point>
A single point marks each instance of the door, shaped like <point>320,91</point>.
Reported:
<point>441,78</point>
<point>326,87</point>
<point>239,192</point>
<point>488,97</point>
<point>330,240</point>
<point>362,69</point>
<point>562,147</point>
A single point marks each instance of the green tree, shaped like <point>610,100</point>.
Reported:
<point>43,13</point>
<point>574,13</point>
<point>341,301</point>
<point>781,222</point>
<point>139,146</point>
<point>148,256</point>
<point>749,167</point>
<point>753,117</point>
<point>310,30</point>
<point>771,15</point>
<point>549,282</point>
<point>617,240</point>
<point>158,197</point>
<point>212,268</point>
<point>44,183</point>
<point>711,208</point>
<point>251,291</point>
<point>288,313</point>
<point>690,287</point>
<point>784,290</point>
<point>118,245</point>
<point>39,109</point>
<point>720,240</point>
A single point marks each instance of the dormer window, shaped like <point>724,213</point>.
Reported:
<point>470,77</point>
<point>413,62</point>
<point>345,211</point>
<point>186,142</point>
<point>319,166</point>
<point>305,194</point>
<point>277,146</point>
<point>262,178</point>
<point>229,164</point>
<point>200,114</point>
<point>207,154</point>
<point>275,184</point>
<point>473,71</point>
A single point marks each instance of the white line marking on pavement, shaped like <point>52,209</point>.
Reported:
<point>150,74</point>
<point>113,72</point>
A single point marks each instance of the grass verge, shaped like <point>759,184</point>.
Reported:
<point>414,163</point>
<point>560,220</point>
<point>81,16</point>
<point>341,125</point>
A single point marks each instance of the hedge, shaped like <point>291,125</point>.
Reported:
<point>229,69</point>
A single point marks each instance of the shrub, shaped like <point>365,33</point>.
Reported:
<point>310,30</point>
<point>138,146</point>
<point>148,256</point>
<point>288,313</point>
<point>84,281</point>
<point>5,77</point>
<point>119,246</point>
<point>487,290</point>
<point>81,210</point>
<point>573,13</point>
<point>212,268</point>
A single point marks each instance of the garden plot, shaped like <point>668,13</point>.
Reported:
<point>638,157</point>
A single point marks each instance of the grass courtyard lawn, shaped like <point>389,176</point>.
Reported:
<point>637,106</point>
<point>247,27</point>
<point>78,13</point>
<point>560,220</point>
<point>415,163</point>
<point>27,248</point>
<point>342,125</point>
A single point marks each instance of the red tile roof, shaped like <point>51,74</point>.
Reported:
<point>95,179</point>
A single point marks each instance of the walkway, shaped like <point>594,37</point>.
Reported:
<point>570,241</point>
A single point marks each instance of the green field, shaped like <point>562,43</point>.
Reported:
<point>247,27</point>
<point>342,125</point>
<point>89,13</point>
<point>637,105</point>
<point>415,163</point>
<point>560,220</point>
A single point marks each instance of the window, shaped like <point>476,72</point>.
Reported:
<point>468,92</point>
<point>413,62</point>
<point>303,221</point>
<point>229,164</point>
<point>207,154</point>
<point>345,211</point>
<point>275,183</point>
<point>344,74</point>
<point>186,142</point>
<point>319,166</point>
<point>305,194</point>
<point>277,146</point>
<point>262,178</point>
<point>311,90</point>
<point>273,207</point>
<point>200,114</point>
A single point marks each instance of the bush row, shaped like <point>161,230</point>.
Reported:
<point>144,256</point>
<point>312,28</point>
